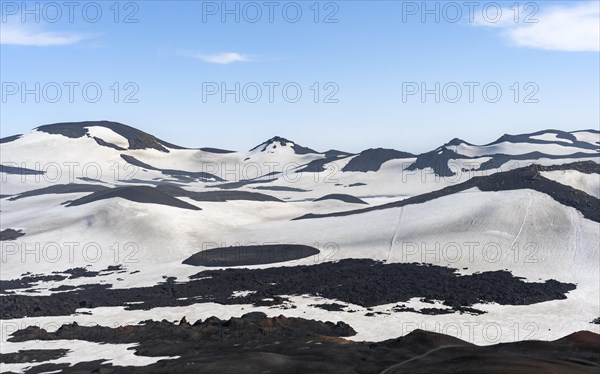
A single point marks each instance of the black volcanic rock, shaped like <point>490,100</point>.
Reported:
<point>32,355</point>
<point>9,139</point>
<point>256,343</point>
<point>522,178</point>
<point>215,195</point>
<point>280,188</point>
<point>250,255</point>
<point>342,197</point>
<point>216,150</point>
<point>137,139</point>
<point>182,175</point>
<point>279,141</point>
<point>343,281</point>
<point>19,170</point>
<point>10,234</point>
<point>437,160</point>
<point>570,139</point>
<point>61,189</point>
<point>140,194</point>
<point>372,159</point>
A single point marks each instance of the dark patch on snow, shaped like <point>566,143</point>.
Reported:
<point>317,166</point>
<point>357,184</point>
<point>277,140</point>
<point>343,197</point>
<point>436,160</point>
<point>137,139</point>
<point>29,280</point>
<point>9,139</point>
<point>221,196</point>
<point>10,234</point>
<point>500,159</point>
<point>523,178</point>
<point>331,307</point>
<point>140,194</point>
<point>526,138</point>
<point>216,150</point>
<point>19,170</point>
<point>32,355</point>
<point>61,189</point>
<point>280,188</point>
<point>184,176</point>
<point>107,144</point>
<point>239,184</point>
<point>250,255</point>
<point>372,159</point>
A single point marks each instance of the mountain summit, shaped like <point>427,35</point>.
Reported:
<point>272,144</point>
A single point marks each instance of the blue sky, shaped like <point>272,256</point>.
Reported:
<point>177,50</point>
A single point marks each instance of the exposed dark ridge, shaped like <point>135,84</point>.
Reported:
<point>182,175</point>
<point>336,153</point>
<point>9,139</point>
<point>280,188</point>
<point>457,141</point>
<point>500,159</point>
<point>243,183</point>
<point>140,194</point>
<point>343,281</point>
<point>19,170</point>
<point>216,150</point>
<point>298,149</point>
<point>436,160</point>
<point>10,234</point>
<point>526,138</point>
<point>586,167</point>
<point>343,197</point>
<point>61,189</point>
<point>107,144</point>
<point>522,178</point>
<point>137,139</point>
<point>317,166</point>
<point>372,159</point>
<point>222,196</point>
<point>250,255</point>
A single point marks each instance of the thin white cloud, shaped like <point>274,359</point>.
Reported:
<point>33,36</point>
<point>574,28</point>
<point>221,58</point>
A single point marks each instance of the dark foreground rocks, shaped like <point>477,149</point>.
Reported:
<point>255,343</point>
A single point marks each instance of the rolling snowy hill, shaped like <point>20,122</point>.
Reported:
<point>104,224</point>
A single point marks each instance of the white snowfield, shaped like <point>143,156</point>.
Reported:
<point>523,231</point>
<point>588,183</point>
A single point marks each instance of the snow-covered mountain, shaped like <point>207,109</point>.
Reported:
<point>103,223</point>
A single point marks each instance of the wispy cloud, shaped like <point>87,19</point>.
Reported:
<point>220,58</point>
<point>574,28</point>
<point>28,35</point>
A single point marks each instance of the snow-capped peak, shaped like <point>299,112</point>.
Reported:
<point>277,143</point>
